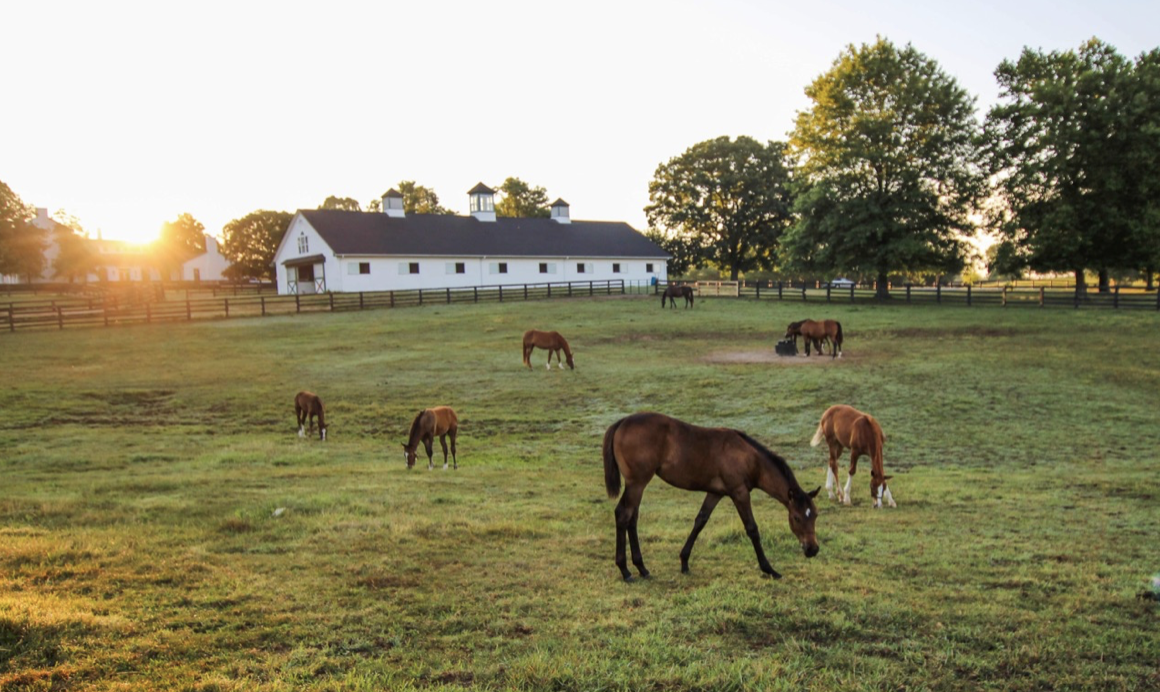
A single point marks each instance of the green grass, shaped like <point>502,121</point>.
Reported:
<point>141,469</point>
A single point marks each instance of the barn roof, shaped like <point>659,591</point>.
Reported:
<point>368,233</point>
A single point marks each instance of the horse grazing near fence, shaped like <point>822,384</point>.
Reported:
<point>718,461</point>
<point>817,332</point>
<point>845,427</point>
<point>440,422</point>
<point>671,293</point>
<point>550,341</point>
<point>307,405</point>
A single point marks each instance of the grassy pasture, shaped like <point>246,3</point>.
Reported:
<point>141,469</point>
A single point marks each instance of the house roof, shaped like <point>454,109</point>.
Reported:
<point>368,233</point>
<point>480,188</point>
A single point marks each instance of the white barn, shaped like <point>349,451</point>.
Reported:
<point>208,266</point>
<point>351,251</point>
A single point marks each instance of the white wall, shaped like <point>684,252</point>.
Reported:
<point>211,264</point>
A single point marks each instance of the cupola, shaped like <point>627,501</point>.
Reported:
<point>559,211</point>
<point>482,202</point>
<point>393,203</point>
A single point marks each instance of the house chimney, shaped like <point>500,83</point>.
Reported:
<point>482,202</point>
<point>393,203</point>
<point>560,212</point>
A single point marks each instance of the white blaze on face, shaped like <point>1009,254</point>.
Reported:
<point>807,513</point>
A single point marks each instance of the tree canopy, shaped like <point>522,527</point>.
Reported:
<point>889,167</point>
<point>341,203</point>
<point>1073,146</point>
<point>724,202</point>
<point>521,200</point>
<point>250,242</point>
<point>22,244</point>
<point>75,257</point>
<point>419,199</point>
<point>180,239</point>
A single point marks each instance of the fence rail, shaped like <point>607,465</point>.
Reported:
<point>97,312</point>
<point>967,296</point>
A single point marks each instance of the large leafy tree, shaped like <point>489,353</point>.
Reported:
<point>724,202</point>
<point>1074,145</point>
<point>342,203</point>
<point>889,167</point>
<point>22,244</point>
<point>250,242</point>
<point>75,257</point>
<point>180,239</point>
<point>419,199</point>
<point>521,200</point>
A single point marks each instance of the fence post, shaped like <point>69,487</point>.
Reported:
<point>779,289</point>
<point>908,293</point>
<point>851,293</point>
<point>475,293</point>
<point>148,314</point>
<point>227,307</point>
<point>525,291</point>
<point>360,300</point>
<point>1116,298</point>
<point>188,310</point>
<point>590,292</point>
<point>297,304</point>
<point>448,295</point>
<point>263,300</point>
<point>59,317</point>
<point>569,289</point>
<point>549,289</point>
<point>1005,296</point>
<point>803,293</point>
<point>758,290</point>
<point>1041,296</point>
<point>392,296</point>
<point>828,287</point>
<point>501,293</point>
<point>938,291</point>
<point>12,317</point>
<point>105,306</point>
<point>968,295</point>
<point>420,296</point>
<point>331,296</point>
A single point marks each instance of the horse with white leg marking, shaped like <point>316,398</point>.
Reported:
<point>307,405</point>
<point>440,422</point>
<point>552,342</point>
<point>845,427</point>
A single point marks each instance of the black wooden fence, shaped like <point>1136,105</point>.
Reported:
<point>109,312</point>
<point>966,296</point>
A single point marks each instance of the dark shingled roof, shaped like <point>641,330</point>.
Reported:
<point>368,233</point>
<point>480,187</point>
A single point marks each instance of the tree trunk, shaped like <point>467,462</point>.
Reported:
<point>733,273</point>
<point>1104,283</point>
<point>883,290</point>
<point>1080,284</point>
<point>1148,272</point>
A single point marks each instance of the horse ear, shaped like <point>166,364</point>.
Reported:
<point>815,491</point>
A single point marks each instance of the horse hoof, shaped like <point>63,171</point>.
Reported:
<point>628,579</point>
<point>774,574</point>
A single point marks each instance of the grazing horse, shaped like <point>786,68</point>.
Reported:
<point>439,422</point>
<point>845,427</point>
<point>550,341</point>
<point>718,461</point>
<point>816,333</point>
<point>671,293</point>
<point>307,405</point>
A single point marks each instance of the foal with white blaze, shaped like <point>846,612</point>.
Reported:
<point>307,405</point>
<point>845,427</point>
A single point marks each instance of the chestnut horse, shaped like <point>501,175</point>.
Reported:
<point>717,461</point>
<point>817,332</point>
<point>845,427</point>
<point>439,422</point>
<point>671,293</point>
<point>550,341</point>
<point>307,405</point>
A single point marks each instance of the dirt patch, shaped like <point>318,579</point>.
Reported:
<point>769,357</point>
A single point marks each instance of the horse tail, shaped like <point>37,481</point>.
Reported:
<point>611,470</point>
<point>818,436</point>
<point>838,336</point>
<point>690,295</point>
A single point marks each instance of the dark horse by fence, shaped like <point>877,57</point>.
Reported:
<point>671,293</point>
<point>440,422</point>
<point>816,332</point>
<point>553,342</point>
<point>307,405</point>
<point>845,427</point>
<point>718,461</point>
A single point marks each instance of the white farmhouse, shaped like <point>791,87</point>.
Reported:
<point>208,266</point>
<point>351,251</point>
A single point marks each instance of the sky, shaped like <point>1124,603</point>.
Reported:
<point>127,114</point>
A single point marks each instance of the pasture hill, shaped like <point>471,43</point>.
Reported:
<point>163,526</point>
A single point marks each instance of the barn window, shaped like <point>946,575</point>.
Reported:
<point>581,268</point>
<point>303,244</point>
<point>547,267</point>
<point>408,267</point>
<point>616,267</point>
<point>499,268</point>
<point>456,268</point>
<point>364,267</point>
<point>648,267</point>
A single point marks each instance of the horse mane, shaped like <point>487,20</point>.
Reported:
<point>415,431</point>
<point>777,461</point>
